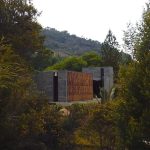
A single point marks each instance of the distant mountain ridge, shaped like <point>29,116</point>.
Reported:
<point>65,44</point>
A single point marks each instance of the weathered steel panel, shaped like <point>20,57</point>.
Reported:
<point>80,86</point>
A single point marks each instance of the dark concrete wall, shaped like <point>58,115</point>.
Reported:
<point>108,76</point>
<point>108,79</point>
<point>62,86</point>
<point>95,71</point>
<point>44,81</point>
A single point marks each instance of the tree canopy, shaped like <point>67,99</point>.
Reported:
<point>135,90</point>
<point>19,27</point>
<point>110,52</point>
<point>74,63</point>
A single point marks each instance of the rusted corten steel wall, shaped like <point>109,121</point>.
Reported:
<point>79,86</point>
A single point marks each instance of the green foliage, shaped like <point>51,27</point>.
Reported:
<point>14,76</point>
<point>15,96</point>
<point>43,59</point>
<point>135,90</point>
<point>110,53</point>
<point>102,121</point>
<point>26,119</point>
<point>69,63</point>
<point>18,25</point>
<point>77,124</point>
<point>68,44</point>
<point>134,81</point>
<point>20,29</point>
<point>89,59</point>
<point>92,59</point>
<point>130,37</point>
<point>125,58</point>
<point>142,45</point>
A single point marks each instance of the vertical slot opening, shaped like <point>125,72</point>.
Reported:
<point>55,87</point>
<point>96,88</point>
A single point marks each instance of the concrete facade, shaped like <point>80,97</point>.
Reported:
<point>103,74</point>
<point>95,71</point>
<point>62,86</point>
<point>65,86</point>
<point>108,79</point>
<point>54,84</point>
<point>44,82</point>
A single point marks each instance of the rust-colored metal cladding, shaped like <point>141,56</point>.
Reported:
<point>80,86</point>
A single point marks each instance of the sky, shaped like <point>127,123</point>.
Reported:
<point>90,19</point>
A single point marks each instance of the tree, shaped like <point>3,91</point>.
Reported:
<point>15,83</point>
<point>102,121</point>
<point>134,90</point>
<point>125,58</point>
<point>89,59</point>
<point>43,58</point>
<point>70,63</point>
<point>15,77</point>
<point>92,59</point>
<point>111,40</point>
<point>142,48</point>
<point>110,53</point>
<point>19,27</point>
<point>130,37</point>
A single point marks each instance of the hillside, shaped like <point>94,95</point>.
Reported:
<point>66,44</point>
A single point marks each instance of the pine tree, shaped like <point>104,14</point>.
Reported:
<point>110,53</point>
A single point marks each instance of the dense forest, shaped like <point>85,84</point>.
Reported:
<point>28,122</point>
<point>67,44</point>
